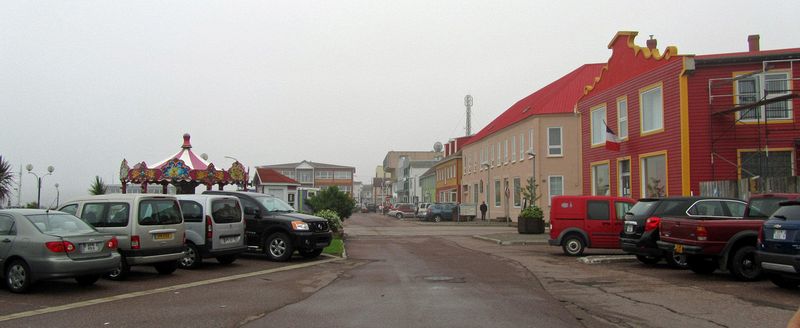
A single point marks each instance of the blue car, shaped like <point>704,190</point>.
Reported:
<point>779,245</point>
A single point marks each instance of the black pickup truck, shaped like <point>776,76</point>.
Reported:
<point>277,229</point>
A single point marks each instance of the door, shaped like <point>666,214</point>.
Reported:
<point>599,224</point>
<point>253,221</point>
<point>7,236</point>
<point>228,229</point>
<point>618,220</point>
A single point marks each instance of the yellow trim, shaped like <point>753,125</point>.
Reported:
<point>738,116</point>
<point>619,174</point>
<point>591,124</point>
<point>666,171</point>
<point>686,183</point>
<point>753,150</point>
<point>627,119</point>
<point>591,174</point>
<point>653,86</point>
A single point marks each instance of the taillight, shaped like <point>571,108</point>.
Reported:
<point>760,235</point>
<point>135,242</point>
<point>701,233</point>
<point>652,223</point>
<point>112,243</point>
<point>209,228</point>
<point>60,246</point>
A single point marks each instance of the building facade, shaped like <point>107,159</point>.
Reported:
<point>317,175</point>
<point>391,165</point>
<point>271,182</point>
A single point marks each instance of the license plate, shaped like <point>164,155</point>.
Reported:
<point>229,240</point>
<point>678,248</point>
<point>629,228</point>
<point>163,236</point>
<point>90,248</point>
<point>779,234</point>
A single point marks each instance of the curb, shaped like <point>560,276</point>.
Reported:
<point>510,242</point>
<point>601,259</point>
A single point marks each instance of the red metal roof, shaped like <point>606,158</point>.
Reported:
<point>557,97</point>
<point>272,176</point>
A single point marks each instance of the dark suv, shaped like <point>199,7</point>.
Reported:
<point>276,228</point>
<point>437,212</point>
<point>778,253</point>
<point>639,235</point>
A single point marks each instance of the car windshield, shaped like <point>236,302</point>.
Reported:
<point>642,208</point>
<point>763,207</point>
<point>273,204</point>
<point>788,213</point>
<point>59,224</point>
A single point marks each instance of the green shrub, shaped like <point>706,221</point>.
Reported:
<point>332,198</point>
<point>531,212</point>
<point>333,219</point>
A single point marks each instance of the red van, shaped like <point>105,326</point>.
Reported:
<point>578,222</point>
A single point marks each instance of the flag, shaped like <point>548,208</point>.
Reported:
<point>612,141</point>
<point>508,192</point>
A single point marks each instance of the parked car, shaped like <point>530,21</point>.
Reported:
<point>717,236</point>
<point>277,229</point>
<point>578,222</point>
<point>372,208</point>
<point>437,212</point>
<point>641,233</point>
<point>422,209</point>
<point>214,228</point>
<point>402,210</point>
<point>40,244</point>
<point>778,254</point>
<point>149,228</point>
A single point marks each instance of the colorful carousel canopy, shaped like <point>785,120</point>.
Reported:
<point>185,170</point>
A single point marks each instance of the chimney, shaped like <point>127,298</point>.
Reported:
<point>651,44</point>
<point>752,42</point>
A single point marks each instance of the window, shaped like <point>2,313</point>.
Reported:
<point>554,147</point>
<point>499,153</point>
<point>480,185</point>
<point>530,139</point>
<point>6,225</point>
<point>497,193</point>
<point>475,193</point>
<point>342,175</point>
<point>517,192</point>
<point>652,110</point>
<point>105,214</point>
<point>598,126</point>
<point>159,212</point>
<point>71,209</point>
<point>621,208</point>
<point>324,174</point>
<point>453,195</point>
<point>521,146</point>
<point>555,186</point>
<point>749,90</point>
<point>192,211</point>
<point>654,176</point>
<point>600,180</point>
<point>305,176</point>
<point>505,152</point>
<point>707,208</point>
<point>622,118</point>
<point>735,209</point>
<point>598,210</point>
<point>513,148</point>
<point>624,178</point>
<point>759,163</point>
<point>491,155</point>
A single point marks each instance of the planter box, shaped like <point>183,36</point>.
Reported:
<point>530,226</point>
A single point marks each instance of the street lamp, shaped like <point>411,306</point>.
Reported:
<point>58,194</point>
<point>488,178</point>
<point>50,170</point>
<point>532,153</point>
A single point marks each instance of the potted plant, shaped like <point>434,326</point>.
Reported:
<point>531,218</point>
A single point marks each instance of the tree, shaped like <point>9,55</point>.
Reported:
<point>32,205</point>
<point>531,195</point>
<point>98,187</point>
<point>332,198</point>
<point>6,179</point>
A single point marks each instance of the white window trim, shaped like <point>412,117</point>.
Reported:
<point>550,186</point>
<point>497,183</point>
<point>514,192</point>
<point>560,146</point>
<point>513,148</point>
<point>620,120</point>
<point>602,134</point>
<point>593,174</point>
<point>760,94</point>
<point>642,111</point>
<point>521,146</point>
<point>620,176</point>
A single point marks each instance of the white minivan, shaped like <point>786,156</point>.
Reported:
<point>149,228</point>
<point>214,228</point>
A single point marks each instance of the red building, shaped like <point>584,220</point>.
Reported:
<point>684,119</point>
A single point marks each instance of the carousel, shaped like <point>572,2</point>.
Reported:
<point>184,170</point>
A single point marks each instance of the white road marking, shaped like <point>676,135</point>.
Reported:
<point>31,313</point>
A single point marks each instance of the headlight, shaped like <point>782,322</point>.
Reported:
<point>299,225</point>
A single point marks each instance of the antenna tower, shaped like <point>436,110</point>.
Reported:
<point>468,103</point>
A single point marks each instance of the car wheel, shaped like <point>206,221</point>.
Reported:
<point>311,254</point>
<point>783,282</point>
<point>573,245</point>
<point>437,218</point>
<point>743,265</point>
<point>191,258</point>
<point>676,260</point>
<point>279,247</point>
<point>226,259</point>
<point>87,280</point>
<point>649,260</point>
<point>121,272</point>
<point>166,267</point>
<point>18,276</point>
<point>701,265</point>
<point>399,215</point>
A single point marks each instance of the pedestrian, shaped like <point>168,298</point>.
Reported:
<point>483,210</point>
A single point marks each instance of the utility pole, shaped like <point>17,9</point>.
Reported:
<point>468,103</point>
<point>19,187</point>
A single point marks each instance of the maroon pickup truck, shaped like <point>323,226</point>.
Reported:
<point>723,236</point>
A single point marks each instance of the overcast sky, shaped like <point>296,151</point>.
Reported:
<point>84,84</point>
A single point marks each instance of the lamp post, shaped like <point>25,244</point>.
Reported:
<point>50,170</point>
<point>488,178</point>
<point>532,153</point>
<point>58,194</point>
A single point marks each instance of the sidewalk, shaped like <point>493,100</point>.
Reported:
<point>516,238</point>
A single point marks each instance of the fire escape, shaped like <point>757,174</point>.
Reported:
<point>744,105</point>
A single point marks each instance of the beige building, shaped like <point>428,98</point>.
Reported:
<point>496,160</point>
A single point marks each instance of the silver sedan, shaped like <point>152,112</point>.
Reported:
<point>40,244</point>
